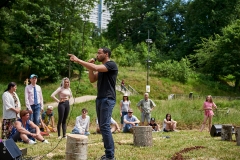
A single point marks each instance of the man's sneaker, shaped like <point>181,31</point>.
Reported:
<point>105,158</point>
<point>31,142</point>
<point>45,141</point>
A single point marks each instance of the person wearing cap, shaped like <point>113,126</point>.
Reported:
<point>64,94</point>
<point>146,106</point>
<point>154,125</point>
<point>34,99</point>
<point>130,121</point>
<point>82,124</point>
<point>47,120</point>
<point>105,74</point>
<point>114,126</point>
<point>124,107</point>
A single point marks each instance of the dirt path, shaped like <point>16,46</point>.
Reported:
<point>75,100</point>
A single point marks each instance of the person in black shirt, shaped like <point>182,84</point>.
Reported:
<point>155,126</point>
<point>105,74</point>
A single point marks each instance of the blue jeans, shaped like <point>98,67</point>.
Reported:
<point>127,127</point>
<point>123,114</point>
<point>35,116</point>
<point>104,107</point>
<point>77,131</point>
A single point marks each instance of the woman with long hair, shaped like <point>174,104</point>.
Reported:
<point>169,124</point>
<point>208,107</point>
<point>124,107</point>
<point>64,92</point>
<point>11,109</point>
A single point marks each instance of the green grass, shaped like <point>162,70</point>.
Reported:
<point>162,148</point>
<point>186,112</point>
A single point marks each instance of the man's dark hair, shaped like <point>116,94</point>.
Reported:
<point>106,50</point>
<point>84,110</point>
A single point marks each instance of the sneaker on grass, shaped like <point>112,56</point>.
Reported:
<point>31,142</point>
<point>45,141</point>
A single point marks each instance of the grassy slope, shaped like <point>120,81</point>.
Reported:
<point>185,111</point>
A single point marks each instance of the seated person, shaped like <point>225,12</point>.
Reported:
<point>47,121</point>
<point>155,126</point>
<point>114,126</point>
<point>169,124</point>
<point>129,121</point>
<point>25,130</point>
<point>82,124</point>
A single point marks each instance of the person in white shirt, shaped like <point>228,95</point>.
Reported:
<point>11,109</point>
<point>82,124</point>
<point>114,126</point>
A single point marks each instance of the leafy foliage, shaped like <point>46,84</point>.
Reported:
<point>179,71</point>
<point>220,56</point>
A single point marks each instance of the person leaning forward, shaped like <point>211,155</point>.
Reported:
<point>25,130</point>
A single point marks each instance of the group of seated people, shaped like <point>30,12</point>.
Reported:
<point>26,131</point>
<point>83,121</point>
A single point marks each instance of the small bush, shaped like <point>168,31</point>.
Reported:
<point>179,71</point>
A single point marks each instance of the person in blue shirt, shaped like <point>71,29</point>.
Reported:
<point>130,121</point>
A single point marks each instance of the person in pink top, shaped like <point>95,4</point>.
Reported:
<point>208,107</point>
<point>64,93</point>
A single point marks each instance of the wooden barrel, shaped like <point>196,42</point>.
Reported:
<point>142,135</point>
<point>237,135</point>
<point>76,148</point>
<point>226,132</point>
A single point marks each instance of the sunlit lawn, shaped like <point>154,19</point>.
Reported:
<point>162,148</point>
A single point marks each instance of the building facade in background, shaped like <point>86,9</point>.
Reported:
<point>100,16</point>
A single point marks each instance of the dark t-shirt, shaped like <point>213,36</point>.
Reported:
<point>107,81</point>
<point>153,125</point>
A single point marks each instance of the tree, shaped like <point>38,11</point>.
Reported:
<point>40,32</point>
<point>206,18</point>
<point>221,56</point>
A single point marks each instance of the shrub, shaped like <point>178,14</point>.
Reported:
<point>179,71</point>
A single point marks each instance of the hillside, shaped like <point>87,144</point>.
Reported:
<point>162,87</point>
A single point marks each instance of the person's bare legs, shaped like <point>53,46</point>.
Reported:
<point>168,127</point>
<point>24,137</point>
<point>174,125</point>
<point>204,122</point>
<point>113,128</point>
<point>210,123</point>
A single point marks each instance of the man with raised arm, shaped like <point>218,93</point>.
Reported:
<point>105,74</point>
